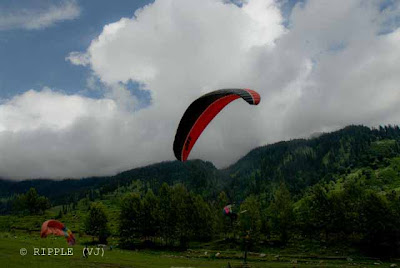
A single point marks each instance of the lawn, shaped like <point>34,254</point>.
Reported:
<point>10,245</point>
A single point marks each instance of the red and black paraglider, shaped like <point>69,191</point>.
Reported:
<point>57,228</point>
<point>200,113</point>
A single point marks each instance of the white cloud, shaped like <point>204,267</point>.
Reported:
<point>38,18</point>
<point>49,134</point>
<point>47,109</point>
<point>78,58</point>
<point>330,68</point>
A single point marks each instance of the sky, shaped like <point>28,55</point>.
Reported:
<point>92,88</point>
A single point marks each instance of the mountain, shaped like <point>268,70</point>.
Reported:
<point>300,163</point>
<point>304,162</point>
<point>195,174</point>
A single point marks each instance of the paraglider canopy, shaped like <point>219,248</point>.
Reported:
<point>229,212</point>
<point>227,209</point>
<point>200,113</point>
<point>57,228</point>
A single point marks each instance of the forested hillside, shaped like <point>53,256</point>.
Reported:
<point>196,174</point>
<point>300,163</point>
<point>304,162</point>
<point>341,188</point>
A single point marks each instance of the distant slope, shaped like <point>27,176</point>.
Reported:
<point>300,163</point>
<point>304,162</point>
<point>197,175</point>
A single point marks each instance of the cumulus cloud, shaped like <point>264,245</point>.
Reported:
<point>47,109</point>
<point>48,134</point>
<point>332,66</point>
<point>38,18</point>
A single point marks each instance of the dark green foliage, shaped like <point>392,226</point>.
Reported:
<point>380,225</point>
<point>96,222</point>
<point>130,220</point>
<point>349,211</point>
<point>201,177</point>
<point>222,223</point>
<point>303,163</point>
<point>250,218</point>
<point>151,210</point>
<point>174,215</point>
<point>182,210</point>
<point>313,212</point>
<point>167,214</point>
<point>31,203</point>
<point>202,219</point>
<point>280,213</point>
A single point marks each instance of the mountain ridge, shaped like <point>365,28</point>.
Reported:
<point>299,162</point>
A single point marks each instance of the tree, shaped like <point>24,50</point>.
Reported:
<point>202,219</point>
<point>151,215</point>
<point>31,202</point>
<point>313,212</point>
<point>223,223</point>
<point>96,223</point>
<point>250,222</point>
<point>250,219</point>
<point>182,208</point>
<point>167,214</point>
<point>130,219</point>
<point>380,229</point>
<point>281,213</point>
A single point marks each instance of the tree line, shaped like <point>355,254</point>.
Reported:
<point>339,188</point>
<point>347,214</point>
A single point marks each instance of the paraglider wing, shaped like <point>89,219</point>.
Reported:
<point>70,238</point>
<point>200,113</point>
<point>57,228</point>
<point>228,212</point>
<point>52,227</point>
<point>227,209</point>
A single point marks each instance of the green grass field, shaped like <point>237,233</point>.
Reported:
<point>10,246</point>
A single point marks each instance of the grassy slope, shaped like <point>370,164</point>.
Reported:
<point>10,257</point>
<point>24,233</point>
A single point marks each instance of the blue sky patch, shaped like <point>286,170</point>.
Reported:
<point>34,58</point>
